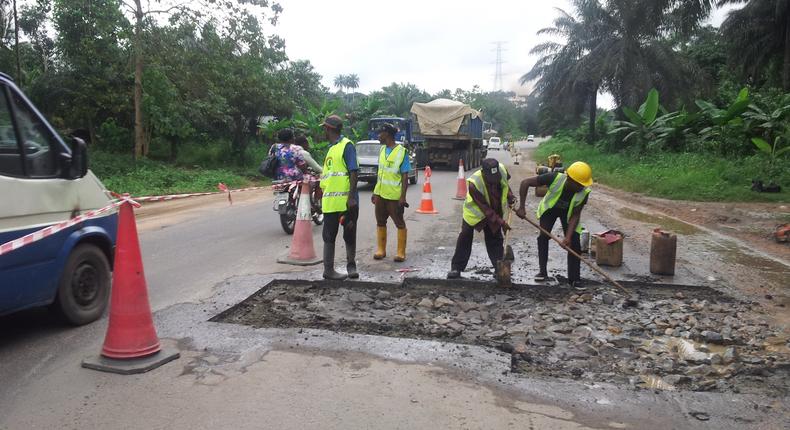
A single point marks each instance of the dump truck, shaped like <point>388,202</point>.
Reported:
<point>446,131</point>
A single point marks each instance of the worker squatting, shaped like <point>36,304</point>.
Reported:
<point>489,197</point>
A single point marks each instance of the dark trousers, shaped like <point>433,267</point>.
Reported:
<point>547,222</point>
<point>389,209</point>
<point>463,248</point>
<point>332,225</point>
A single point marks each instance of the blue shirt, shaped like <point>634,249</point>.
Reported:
<point>405,166</point>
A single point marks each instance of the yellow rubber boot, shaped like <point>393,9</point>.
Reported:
<point>401,255</point>
<point>381,240</point>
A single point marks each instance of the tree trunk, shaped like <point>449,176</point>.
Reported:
<point>139,139</point>
<point>786,63</point>
<point>593,112</point>
<point>16,48</point>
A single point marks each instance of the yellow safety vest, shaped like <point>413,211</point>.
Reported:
<point>389,178</point>
<point>472,213</point>
<point>553,196</point>
<point>335,181</point>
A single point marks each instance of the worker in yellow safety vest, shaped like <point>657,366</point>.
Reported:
<point>389,195</point>
<point>567,194</point>
<point>487,200</point>
<point>340,199</point>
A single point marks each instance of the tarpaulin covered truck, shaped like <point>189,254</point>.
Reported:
<point>446,131</point>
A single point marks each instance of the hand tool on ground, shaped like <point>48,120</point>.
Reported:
<point>503,267</point>
<point>631,298</point>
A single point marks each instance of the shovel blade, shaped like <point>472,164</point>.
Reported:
<point>503,273</point>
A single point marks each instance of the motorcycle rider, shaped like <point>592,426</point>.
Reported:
<point>292,165</point>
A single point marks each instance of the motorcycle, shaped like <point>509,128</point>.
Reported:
<point>286,203</point>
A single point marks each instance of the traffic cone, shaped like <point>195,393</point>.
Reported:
<point>302,251</point>
<point>131,344</point>
<point>461,193</point>
<point>426,205</point>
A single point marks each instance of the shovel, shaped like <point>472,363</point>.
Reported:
<point>503,266</point>
<point>631,299</point>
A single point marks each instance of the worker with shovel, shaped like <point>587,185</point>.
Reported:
<point>484,209</point>
<point>565,199</point>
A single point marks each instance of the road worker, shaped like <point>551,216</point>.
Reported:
<point>567,194</point>
<point>484,209</point>
<point>389,195</point>
<point>340,198</point>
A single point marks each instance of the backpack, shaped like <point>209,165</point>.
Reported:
<point>270,164</point>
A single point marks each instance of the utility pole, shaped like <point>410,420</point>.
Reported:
<point>498,86</point>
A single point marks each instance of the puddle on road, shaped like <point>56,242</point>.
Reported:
<point>772,271</point>
<point>664,222</point>
<point>677,334</point>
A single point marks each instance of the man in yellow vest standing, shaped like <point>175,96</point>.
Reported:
<point>389,196</point>
<point>484,209</point>
<point>340,198</point>
<point>565,200</point>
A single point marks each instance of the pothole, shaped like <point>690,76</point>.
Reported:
<point>677,338</point>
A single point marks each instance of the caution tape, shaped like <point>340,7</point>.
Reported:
<point>55,228</point>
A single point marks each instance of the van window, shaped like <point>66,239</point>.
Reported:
<point>10,159</point>
<point>39,144</point>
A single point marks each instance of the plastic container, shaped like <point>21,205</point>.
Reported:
<point>609,249</point>
<point>584,238</point>
<point>663,251</point>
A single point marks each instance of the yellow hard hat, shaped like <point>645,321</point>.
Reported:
<point>581,173</point>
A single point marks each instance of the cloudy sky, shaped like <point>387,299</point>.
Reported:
<point>433,44</point>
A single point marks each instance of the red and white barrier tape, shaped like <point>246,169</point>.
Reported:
<point>49,231</point>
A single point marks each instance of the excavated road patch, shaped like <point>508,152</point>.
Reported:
<point>677,338</point>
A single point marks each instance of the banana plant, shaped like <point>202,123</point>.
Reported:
<point>644,126</point>
<point>723,119</point>
<point>772,151</point>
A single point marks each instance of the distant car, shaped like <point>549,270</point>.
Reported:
<point>494,144</point>
<point>368,152</point>
<point>531,138</point>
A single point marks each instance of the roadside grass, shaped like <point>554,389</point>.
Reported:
<point>677,176</point>
<point>120,173</point>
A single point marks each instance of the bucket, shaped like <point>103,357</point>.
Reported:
<point>609,248</point>
<point>584,238</point>
<point>540,170</point>
<point>663,250</point>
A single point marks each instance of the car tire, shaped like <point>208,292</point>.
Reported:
<point>84,286</point>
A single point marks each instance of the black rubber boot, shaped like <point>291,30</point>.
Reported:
<point>329,264</point>
<point>351,261</point>
<point>453,274</point>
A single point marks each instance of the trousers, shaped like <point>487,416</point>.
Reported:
<point>547,221</point>
<point>463,247</point>
<point>332,225</point>
<point>389,209</point>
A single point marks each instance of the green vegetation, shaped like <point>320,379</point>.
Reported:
<point>122,174</point>
<point>680,176</point>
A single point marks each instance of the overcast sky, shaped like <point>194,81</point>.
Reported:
<point>433,44</point>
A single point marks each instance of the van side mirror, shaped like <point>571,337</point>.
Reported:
<point>76,166</point>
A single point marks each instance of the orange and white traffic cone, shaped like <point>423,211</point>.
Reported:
<point>460,194</point>
<point>302,251</point>
<point>426,204</point>
<point>131,344</point>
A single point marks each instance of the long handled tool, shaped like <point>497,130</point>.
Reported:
<point>631,299</point>
<point>504,266</point>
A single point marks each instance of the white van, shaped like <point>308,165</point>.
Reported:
<point>44,181</point>
<point>494,143</point>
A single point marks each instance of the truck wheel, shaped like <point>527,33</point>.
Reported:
<point>84,287</point>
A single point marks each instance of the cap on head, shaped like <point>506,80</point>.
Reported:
<point>388,128</point>
<point>581,173</point>
<point>333,122</point>
<point>490,169</point>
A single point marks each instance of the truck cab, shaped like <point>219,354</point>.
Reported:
<point>404,135</point>
<point>44,181</point>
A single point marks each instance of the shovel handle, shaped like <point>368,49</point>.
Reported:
<point>575,254</point>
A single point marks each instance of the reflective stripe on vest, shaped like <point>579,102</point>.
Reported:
<point>553,196</point>
<point>335,180</point>
<point>472,213</point>
<point>389,178</point>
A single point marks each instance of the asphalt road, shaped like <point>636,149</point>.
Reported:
<point>188,248</point>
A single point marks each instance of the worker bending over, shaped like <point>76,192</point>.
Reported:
<point>389,195</point>
<point>486,202</point>
<point>565,199</point>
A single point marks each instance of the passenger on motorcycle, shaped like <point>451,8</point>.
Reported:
<point>292,165</point>
<point>315,168</point>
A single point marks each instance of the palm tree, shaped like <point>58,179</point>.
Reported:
<point>340,82</point>
<point>352,81</point>
<point>758,34</point>
<point>397,98</point>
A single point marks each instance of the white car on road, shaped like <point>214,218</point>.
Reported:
<point>494,143</point>
<point>531,138</point>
